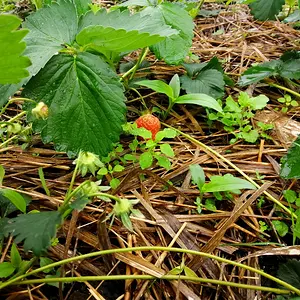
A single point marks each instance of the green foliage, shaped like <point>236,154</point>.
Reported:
<point>290,272</point>
<point>175,48</point>
<point>36,230</point>
<point>93,117</point>
<point>288,66</point>
<point>281,227</point>
<point>288,102</point>
<point>266,9</point>
<point>236,117</point>
<point>172,90</point>
<point>72,53</point>
<point>291,162</point>
<point>6,269</point>
<point>12,64</point>
<point>204,78</point>
<point>15,198</point>
<point>152,150</point>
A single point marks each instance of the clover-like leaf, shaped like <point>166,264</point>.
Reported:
<point>85,100</point>
<point>36,230</point>
<point>12,64</point>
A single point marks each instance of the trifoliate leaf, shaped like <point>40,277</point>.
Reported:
<point>50,28</point>
<point>175,48</point>
<point>208,82</point>
<point>36,230</point>
<point>12,64</point>
<point>226,183</point>
<point>288,66</point>
<point>85,100</point>
<point>266,9</point>
<point>146,160</point>
<point>119,31</point>
<point>290,167</point>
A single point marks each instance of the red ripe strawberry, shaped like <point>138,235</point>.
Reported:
<point>150,123</point>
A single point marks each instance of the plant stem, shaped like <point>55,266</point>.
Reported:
<point>149,277</point>
<point>201,2</point>
<point>13,100</point>
<point>141,97</point>
<point>169,108</point>
<point>12,138</point>
<point>136,66</point>
<point>147,248</point>
<point>115,198</point>
<point>207,148</point>
<point>284,89</point>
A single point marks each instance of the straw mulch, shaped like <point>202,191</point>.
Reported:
<point>167,197</point>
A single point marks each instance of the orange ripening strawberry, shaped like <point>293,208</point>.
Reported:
<point>150,123</point>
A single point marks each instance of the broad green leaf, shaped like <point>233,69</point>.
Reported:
<point>290,167</point>
<point>6,269</point>
<point>210,82</point>
<point>198,175</point>
<point>2,174</point>
<point>50,28</point>
<point>259,102</point>
<point>85,100</point>
<point>119,31</point>
<point>15,257</point>
<point>167,150</point>
<point>7,207</point>
<point>175,48</point>
<point>36,230</point>
<point>135,3</point>
<point>166,133</point>
<point>16,199</point>
<point>114,183</point>
<point>158,86</point>
<point>44,261</point>
<point>146,160</point>
<point>290,272</point>
<point>288,66</point>
<point>266,9</point>
<point>175,85</point>
<point>163,161</point>
<point>12,64</point>
<point>290,196</point>
<point>250,136</point>
<point>193,69</point>
<point>226,183</point>
<point>199,99</point>
<point>280,227</point>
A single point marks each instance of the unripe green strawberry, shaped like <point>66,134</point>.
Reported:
<point>150,123</point>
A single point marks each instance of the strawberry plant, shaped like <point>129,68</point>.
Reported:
<point>172,90</point>
<point>73,51</point>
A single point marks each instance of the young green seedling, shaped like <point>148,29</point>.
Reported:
<point>172,90</point>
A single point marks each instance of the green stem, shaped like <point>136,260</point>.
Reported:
<point>12,138</point>
<point>169,108</point>
<point>147,248</point>
<point>13,100</point>
<point>136,66</point>
<point>149,277</point>
<point>117,199</point>
<point>201,2</point>
<point>277,202</point>
<point>141,97</point>
<point>284,89</point>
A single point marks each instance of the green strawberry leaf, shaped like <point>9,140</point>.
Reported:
<point>226,183</point>
<point>119,31</point>
<point>207,81</point>
<point>12,64</point>
<point>146,160</point>
<point>291,162</point>
<point>50,28</point>
<point>36,230</point>
<point>266,9</point>
<point>167,150</point>
<point>290,272</point>
<point>85,100</point>
<point>281,227</point>
<point>288,66</point>
<point>175,48</point>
